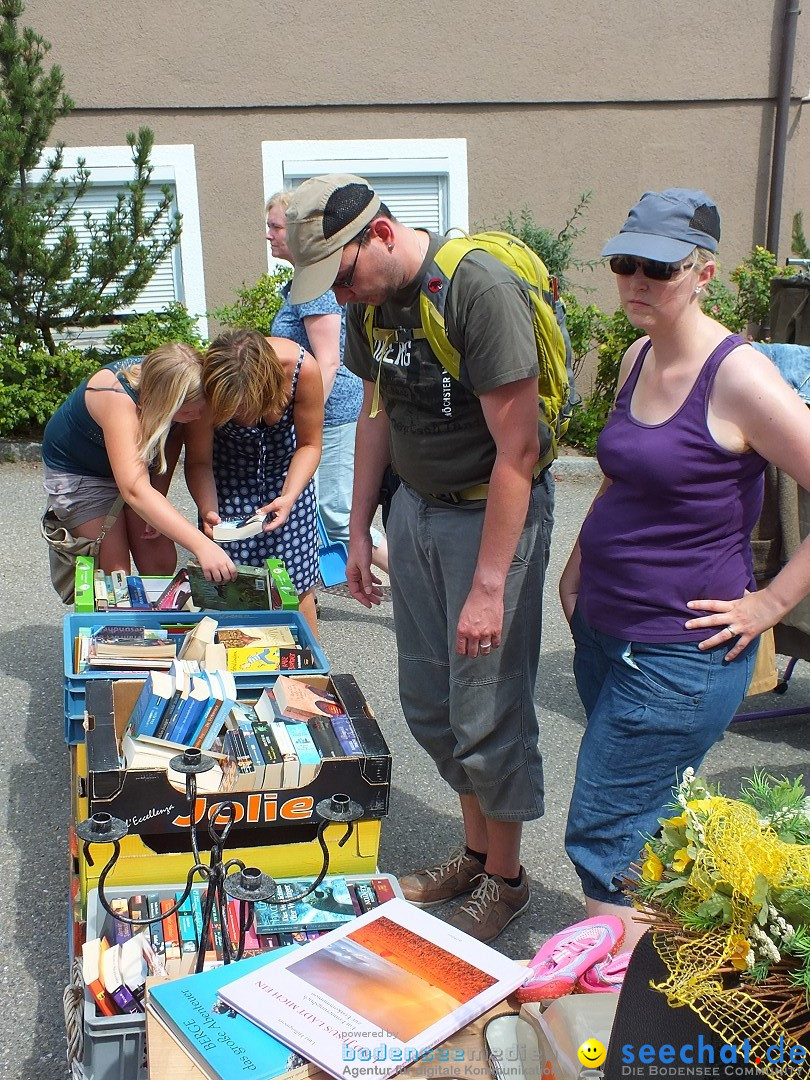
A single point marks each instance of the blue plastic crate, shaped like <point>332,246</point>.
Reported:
<point>248,684</point>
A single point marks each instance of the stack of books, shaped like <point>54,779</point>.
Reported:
<point>183,708</point>
<point>123,647</point>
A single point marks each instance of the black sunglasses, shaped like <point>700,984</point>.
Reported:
<point>626,266</point>
<point>345,282</point>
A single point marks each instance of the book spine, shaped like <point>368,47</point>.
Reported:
<point>138,909</point>
<point>366,895</point>
<point>294,659</point>
<point>233,923</point>
<point>383,889</point>
<point>100,591</point>
<point>325,737</point>
<point>104,1001</point>
<point>84,596</point>
<point>123,998</point>
<point>273,764</point>
<point>121,930</point>
<point>156,928</point>
<point>197,912</point>
<point>267,942</point>
<point>170,713</point>
<point>171,937</point>
<point>204,730</point>
<point>188,932</point>
<point>346,736</point>
<point>358,907</point>
<point>215,934</point>
<point>137,593</point>
<point>120,590</point>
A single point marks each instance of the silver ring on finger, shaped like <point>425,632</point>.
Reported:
<point>731,631</point>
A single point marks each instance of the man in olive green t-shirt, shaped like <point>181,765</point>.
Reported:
<point>469,526</point>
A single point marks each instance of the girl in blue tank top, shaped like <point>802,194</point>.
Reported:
<point>120,434</point>
<point>659,589</point>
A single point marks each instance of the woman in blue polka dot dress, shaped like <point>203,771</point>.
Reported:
<point>266,397</point>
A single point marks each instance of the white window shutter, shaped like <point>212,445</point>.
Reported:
<point>165,285</point>
<point>417,201</point>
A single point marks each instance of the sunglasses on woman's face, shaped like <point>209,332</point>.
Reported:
<point>626,266</point>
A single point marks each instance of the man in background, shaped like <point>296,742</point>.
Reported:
<point>469,527</point>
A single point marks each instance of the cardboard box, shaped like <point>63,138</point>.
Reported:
<point>146,860</point>
<point>150,804</point>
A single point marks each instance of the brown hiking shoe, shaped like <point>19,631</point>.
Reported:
<point>492,907</point>
<point>435,884</point>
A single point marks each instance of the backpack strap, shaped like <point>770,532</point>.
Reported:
<point>379,342</point>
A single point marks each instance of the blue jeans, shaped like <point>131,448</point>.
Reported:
<point>653,710</point>
<point>333,482</point>
<point>475,717</point>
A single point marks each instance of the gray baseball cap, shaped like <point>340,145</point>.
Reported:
<point>667,225</point>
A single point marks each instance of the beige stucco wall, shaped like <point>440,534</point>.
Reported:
<point>615,99</point>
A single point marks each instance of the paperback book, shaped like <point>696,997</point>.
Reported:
<point>327,906</point>
<point>377,989</point>
<point>238,528</point>
<point>222,1043</point>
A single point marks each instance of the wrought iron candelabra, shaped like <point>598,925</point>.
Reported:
<point>225,878</point>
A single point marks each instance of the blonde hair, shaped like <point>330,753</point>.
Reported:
<point>243,375</point>
<point>281,198</point>
<point>166,380</point>
<point>702,257</point>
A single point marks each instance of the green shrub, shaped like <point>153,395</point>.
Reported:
<point>33,384</point>
<point>749,307</point>
<point>555,249</point>
<point>256,305</point>
<point>140,334</point>
<point>584,322</point>
<point>615,334</point>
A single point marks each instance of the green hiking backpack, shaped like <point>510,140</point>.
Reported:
<point>555,376</point>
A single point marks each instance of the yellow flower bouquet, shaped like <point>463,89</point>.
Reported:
<point>726,886</point>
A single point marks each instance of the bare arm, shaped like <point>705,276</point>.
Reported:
<point>118,418</point>
<point>323,332</point>
<point>372,454</point>
<point>511,415</point>
<point>308,421</point>
<point>199,440</point>
<point>775,422</point>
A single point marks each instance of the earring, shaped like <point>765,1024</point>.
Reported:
<point>390,247</point>
<point>699,289</point>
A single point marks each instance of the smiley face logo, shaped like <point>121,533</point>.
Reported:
<point>592,1054</point>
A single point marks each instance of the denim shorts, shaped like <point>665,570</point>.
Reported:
<point>475,717</point>
<point>652,710</point>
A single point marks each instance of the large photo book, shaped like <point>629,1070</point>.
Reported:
<point>377,991</point>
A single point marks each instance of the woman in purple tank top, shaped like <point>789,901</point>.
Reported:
<point>659,588</point>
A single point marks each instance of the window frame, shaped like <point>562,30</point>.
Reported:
<point>447,158</point>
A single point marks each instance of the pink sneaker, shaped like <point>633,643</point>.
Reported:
<point>568,955</point>
<point>606,977</point>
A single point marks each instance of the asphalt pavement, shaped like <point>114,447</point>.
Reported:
<point>423,823</point>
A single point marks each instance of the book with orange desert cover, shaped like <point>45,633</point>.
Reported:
<point>373,996</point>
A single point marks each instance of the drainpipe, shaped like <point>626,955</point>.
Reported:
<point>792,11</point>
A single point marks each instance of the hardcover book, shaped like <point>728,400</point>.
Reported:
<point>378,989</point>
<point>250,591</point>
<point>222,1043</point>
